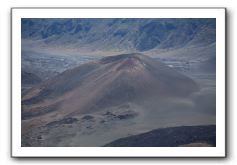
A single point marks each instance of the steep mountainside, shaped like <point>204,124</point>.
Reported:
<point>119,34</point>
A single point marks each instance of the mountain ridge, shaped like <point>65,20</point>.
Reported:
<point>119,34</point>
<point>170,137</point>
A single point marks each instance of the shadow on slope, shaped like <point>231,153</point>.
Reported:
<point>171,137</point>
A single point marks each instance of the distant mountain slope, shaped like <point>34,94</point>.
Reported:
<point>171,137</point>
<point>119,34</point>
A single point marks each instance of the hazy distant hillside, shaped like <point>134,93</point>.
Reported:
<point>120,34</point>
